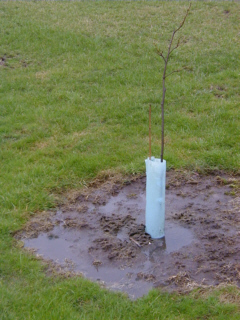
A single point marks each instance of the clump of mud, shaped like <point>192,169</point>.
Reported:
<point>101,231</point>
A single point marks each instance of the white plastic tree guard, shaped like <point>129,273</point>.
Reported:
<point>155,197</point>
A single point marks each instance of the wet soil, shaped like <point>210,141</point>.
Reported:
<point>100,232</point>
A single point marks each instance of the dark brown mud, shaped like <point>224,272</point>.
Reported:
<point>100,233</point>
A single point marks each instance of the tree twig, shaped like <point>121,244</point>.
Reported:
<point>133,240</point>
<point>150,146</point>
<point>160,53</point>
<point>166,59</point>
<point>178,70</point>
<point>178,43</point>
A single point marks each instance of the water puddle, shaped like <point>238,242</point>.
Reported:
<point>70,249</point>
<point>101,234</point>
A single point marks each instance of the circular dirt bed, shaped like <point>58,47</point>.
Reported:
<point>100,232</point>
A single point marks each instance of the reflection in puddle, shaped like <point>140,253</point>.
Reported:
<point>177,237</point>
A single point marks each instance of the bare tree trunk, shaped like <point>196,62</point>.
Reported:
<point>160,53</point>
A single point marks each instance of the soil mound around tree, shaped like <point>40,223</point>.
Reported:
<point>100,232</point>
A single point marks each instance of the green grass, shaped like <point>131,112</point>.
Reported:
<point>76,80</point>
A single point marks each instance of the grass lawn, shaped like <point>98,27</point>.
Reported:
<point>76,81</point>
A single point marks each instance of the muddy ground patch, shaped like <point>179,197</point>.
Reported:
<point>100,232</point>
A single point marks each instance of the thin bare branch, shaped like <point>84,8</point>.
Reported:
<point>166,59</point>
<point>184,19</point>
<point>178,44</point>
<point>150,138</point>
<point>137,243</point>
<point>160,53</point>
<point>178,70</point>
